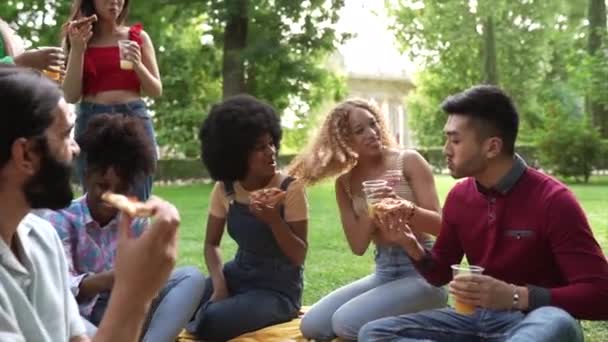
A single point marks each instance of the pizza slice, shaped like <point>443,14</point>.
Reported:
<point>86,20</point>
<point>268,196</point>
<point>132,207</point>
<point>393,209</point>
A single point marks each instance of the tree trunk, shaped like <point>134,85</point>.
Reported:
<point>235,42</point>
<point>489,52</point>
<point>597,32</point>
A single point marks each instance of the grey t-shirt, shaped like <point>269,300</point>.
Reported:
<point>35,299</point>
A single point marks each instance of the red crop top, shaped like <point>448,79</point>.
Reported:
<point>102,72</point>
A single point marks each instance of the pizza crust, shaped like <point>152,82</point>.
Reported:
<point>133,208</point>
<point>392,207</point>
<point>269,196</point>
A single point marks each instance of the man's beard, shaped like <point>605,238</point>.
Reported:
<point>50,187</point>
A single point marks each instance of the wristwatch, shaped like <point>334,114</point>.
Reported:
<point>515,305</point>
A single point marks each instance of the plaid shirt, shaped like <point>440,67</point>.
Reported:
<point>89,248</point>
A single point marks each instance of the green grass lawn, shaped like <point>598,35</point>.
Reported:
<point>330,263</point>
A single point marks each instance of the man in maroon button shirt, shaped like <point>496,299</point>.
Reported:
<point>543,269</point>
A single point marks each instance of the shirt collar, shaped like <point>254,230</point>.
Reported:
<point>508,181</point>
<point>84,210</point>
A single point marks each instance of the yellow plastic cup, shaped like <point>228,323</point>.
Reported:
<point>52,74</point>
<point>460,307</point>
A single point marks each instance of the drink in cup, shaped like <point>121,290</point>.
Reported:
<point>370,189</point>
<point>123,47</point>
<point>463,308</point>
<point>52,74</point>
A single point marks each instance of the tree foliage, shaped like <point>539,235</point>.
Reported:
<point>282,60</point>
<point>524,45</point>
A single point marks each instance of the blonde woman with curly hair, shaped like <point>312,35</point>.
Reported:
<point>355,144</point>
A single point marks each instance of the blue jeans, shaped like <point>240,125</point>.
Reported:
<point>88,110</point>
<point>171,310</point>
<point>395,288</point>
<point>543,324</point>
<point>253,303</point>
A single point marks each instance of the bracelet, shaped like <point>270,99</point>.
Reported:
<point>515,305</point>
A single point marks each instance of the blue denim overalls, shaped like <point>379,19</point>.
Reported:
<point>265,288</point>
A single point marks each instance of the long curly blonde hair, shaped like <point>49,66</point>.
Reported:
<point>330,152</point>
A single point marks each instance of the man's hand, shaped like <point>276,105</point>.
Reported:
<point>400,236</point>
<point>43,58</point>
<point>483,291</point>
<point>394,229</point>
<point>144,264</point>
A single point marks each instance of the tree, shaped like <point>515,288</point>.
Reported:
<point>272,49</point>
<point>462,43</point>
<point>38,22</point>
<point>235,42</point>
<point>489,51</point>
<point>276,50</point>
<point>597,48</point>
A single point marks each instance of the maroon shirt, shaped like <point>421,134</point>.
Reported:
<point>530,231</point>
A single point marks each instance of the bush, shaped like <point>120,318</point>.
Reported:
<point>174,169</point>
<point>569,147</point>
<point>434,156</point>
<point>180,169</point>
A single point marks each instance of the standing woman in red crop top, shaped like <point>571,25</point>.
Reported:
<point>94,75</point>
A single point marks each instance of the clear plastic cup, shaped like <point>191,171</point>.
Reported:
<point>370,188</point>
<point>459,307</point>
<point>123,46</point>
<point>393,177</point>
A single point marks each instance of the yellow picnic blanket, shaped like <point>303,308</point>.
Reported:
<point>284,332</point>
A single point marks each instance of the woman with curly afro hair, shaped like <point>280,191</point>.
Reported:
<point>355,145</point>
<point>262,285</point>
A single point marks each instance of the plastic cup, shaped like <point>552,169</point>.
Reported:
<point>462,308</point>
<point>52,74</point>
<point>123,47</point>
<point>369,189</point>
<point>393,177</point>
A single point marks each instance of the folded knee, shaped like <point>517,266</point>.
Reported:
<point>367,332</point>
<point>191,273</point>
<point>557,320</point>
<point>316,328</point>
<point>345,325</point>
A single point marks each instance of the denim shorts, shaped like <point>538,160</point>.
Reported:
<point>392,262</point>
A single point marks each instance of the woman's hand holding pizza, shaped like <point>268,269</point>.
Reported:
<point>264,204</point>
<point>394,215</point>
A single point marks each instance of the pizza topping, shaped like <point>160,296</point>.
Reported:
<point>268,196</point>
